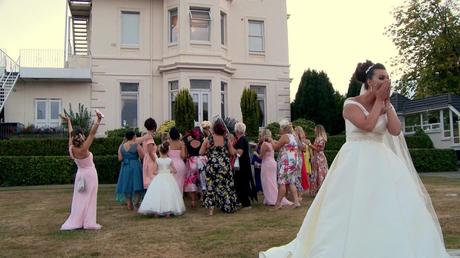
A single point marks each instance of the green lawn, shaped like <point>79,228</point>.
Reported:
<point>30,219</point>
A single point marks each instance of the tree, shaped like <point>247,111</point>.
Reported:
<point>184,110</point>
<point>81,118</point>
<point>354,88</point>
<point>427,35</point>
<point>315,100</point>
<point>250,111</point>
<point>339,122</point>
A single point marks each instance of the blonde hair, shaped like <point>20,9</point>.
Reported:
<point>265,133</point>
<point>320,132</point>
<point>300,132</point>
<point>286,126</point>
<point>240,127</point>
<point>206,124</point>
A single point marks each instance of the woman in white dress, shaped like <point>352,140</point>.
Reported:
<point>372,203</point>
<point>163,197</point>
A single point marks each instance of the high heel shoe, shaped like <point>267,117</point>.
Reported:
<point>211,212</point>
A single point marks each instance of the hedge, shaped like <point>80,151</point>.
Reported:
<point>425,160</point>
<point>57,147</point>
<point>47,170</point>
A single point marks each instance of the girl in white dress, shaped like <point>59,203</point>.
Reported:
<point>163,197</point>
<point>372,203</point>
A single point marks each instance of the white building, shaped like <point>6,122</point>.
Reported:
<point>130,58</point>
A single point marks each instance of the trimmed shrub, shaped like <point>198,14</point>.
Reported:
<point>48,170</point>
<point>307,125</point>
<point>120,132</point>
<point>184,110</point>
<point>251,111</point>
<point>275,129</point>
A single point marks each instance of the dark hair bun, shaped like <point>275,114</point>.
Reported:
<point>130,135</point>
<point>150,124</point>
<point>164,147</point>
<point>174,133</point>
<point>360,72</point>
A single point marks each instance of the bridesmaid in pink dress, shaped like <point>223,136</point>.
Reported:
<point>268,171</point>
<point>177,154</point>
<point>84,200</point>
<point>149,166</point>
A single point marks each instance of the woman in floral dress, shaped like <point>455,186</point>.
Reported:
<point>289,163</point>
<point>220,186</point>
<point>318,160</point>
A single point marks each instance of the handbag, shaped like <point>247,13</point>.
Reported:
<point>81,184</point>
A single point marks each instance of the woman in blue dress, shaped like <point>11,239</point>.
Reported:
<point>130,183</point>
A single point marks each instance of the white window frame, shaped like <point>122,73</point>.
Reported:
<point>250,21</point>
<point>261,97</point>
<point>130,45</point>
<point>47,122</point>
<point>171,40</point>
<point>223,98</point>
<point>201,92</point>
<point>223,28</point>
<point>172,93</point>
<point>193,9</point>
<point>129,95</point>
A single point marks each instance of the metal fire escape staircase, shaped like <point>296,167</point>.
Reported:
<point>9,74</point>
<point>81,12</point>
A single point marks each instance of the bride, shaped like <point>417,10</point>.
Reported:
<point>372,204</point>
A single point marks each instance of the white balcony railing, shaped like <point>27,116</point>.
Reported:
<point>42,58</point>
<point>425,127</point>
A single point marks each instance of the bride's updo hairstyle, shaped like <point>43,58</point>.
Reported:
<point>365,71</point>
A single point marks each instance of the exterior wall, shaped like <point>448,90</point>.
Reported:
<point>155,61</point>
<point>20,106</point>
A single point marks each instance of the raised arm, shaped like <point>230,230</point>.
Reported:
<point>92,132</point>
<point>284,139</point>
<point>69,127</point>
<point>204,147</point>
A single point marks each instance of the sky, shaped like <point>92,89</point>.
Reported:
<point>325,35</point>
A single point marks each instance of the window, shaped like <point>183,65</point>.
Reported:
<point>200,24</point>
<point>223,94</point>
<point>446,122</point>
<point>256,36</point>
<point>129,104</point>
<point>223,28</point>
<point>201,90</point>
<point>173,26</point>
<point>260,90</point>
<point>47,112</point>
<point>431,120</point>
<point>173,90</point>
<point>130,29</point>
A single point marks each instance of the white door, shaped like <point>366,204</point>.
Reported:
<point>202,106</point>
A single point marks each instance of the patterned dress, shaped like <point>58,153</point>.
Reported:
<point>319,167</point>
<point>220,187</point>
<point>289,163</point>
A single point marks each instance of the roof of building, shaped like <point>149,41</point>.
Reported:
<point>404,105</point>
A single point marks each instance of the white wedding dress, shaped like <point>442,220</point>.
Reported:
<point>163,196</point>
<point>369,206</point>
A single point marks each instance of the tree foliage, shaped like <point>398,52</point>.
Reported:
<point>354,88</point>
<point>81,118</point>
<point>250,111</point>
<point>184,110</point>
<point>317,101</point>
<point>427,35</point>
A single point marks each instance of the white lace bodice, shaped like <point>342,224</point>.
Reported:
<point>164,165</point>
<point>353,132</point>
